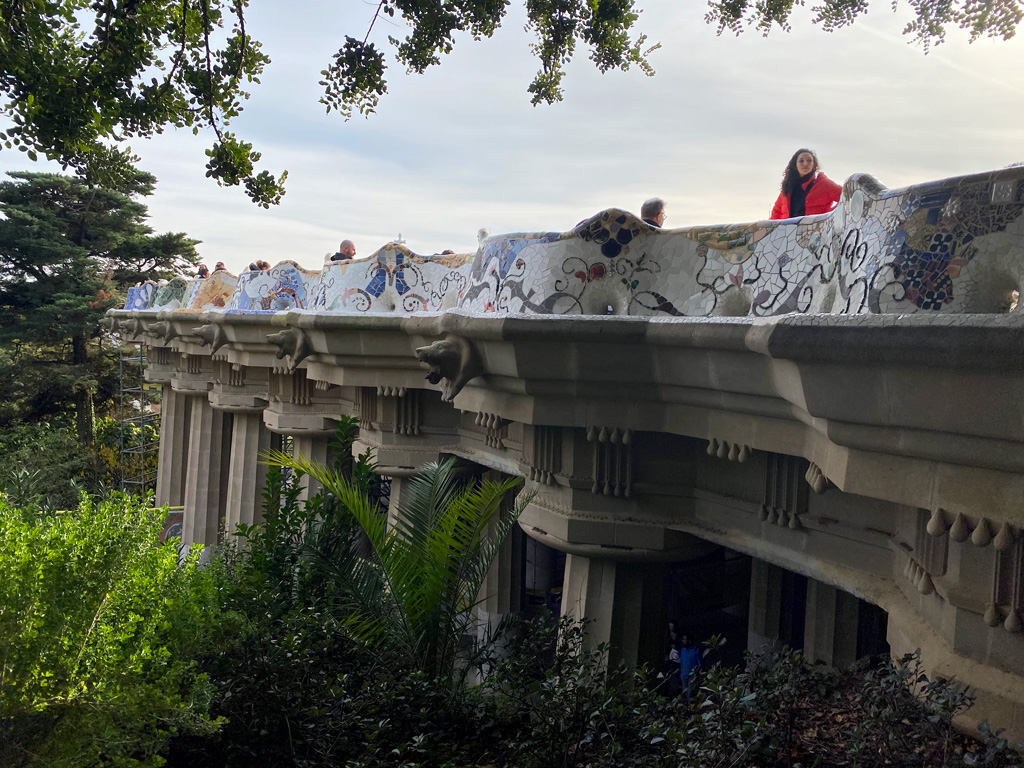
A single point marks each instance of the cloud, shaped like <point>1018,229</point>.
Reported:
<point>460,147</point>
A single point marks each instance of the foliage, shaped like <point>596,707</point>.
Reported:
<point>302,694</point>
<point>412,595</point>
<point>98,623</point>
<point>998,18</point>
<point>604,26</point>
<point>82,79</point>
<point>67,252</point>
<point>111,465</point>
<point>46,468</point>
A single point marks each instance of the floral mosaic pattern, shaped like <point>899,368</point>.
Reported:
<point>140,296</point>
<point>394,279</point>
<point>955,245</point>
<point>283,287</point>
<point>502,277</point>
<point>213,292</point>
<point>170,294</point>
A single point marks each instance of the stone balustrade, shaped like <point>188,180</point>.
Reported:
<point>945,246</point>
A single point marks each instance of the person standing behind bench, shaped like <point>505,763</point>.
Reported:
<point>653,212</point>
<point>346,251</point>
<point>805,189</point>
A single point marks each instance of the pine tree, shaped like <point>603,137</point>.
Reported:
<point>68,251</point>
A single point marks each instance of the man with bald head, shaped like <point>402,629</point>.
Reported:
<point>346,251</point>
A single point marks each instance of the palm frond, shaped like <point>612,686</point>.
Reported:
<point>415,594</point>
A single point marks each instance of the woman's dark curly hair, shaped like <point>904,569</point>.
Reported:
<point>790,175</point>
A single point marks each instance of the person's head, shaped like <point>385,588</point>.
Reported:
<point>253,266</point>
<point>204,271</point>
<point>347,248</point>
<point>262,265</point>
<point>684,639</point>
<point>219,266</point>
<point>653,210</point>
<point>802,163</point>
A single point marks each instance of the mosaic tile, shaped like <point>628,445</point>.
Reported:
<point>140,296</point>
<point>170,294</point>
<point>281,288</point>
<point>208,293</point>
<point>948,246</point>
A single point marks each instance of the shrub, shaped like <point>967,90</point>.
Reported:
<point>98,626</point>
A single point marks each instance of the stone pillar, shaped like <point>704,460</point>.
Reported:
<point>174,432</point>
<point>627,602</point>
<point>830,630</point>
<point>246,475</point>
<point>207,460</point>
<point>502,590</point>
<point>395,498</point>
<point>765,607</point>
<point>313,446</point>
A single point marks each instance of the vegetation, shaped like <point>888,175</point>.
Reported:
<point>80,80</point>
<point>931,17</point>
<point>114,654</point>
<point>47,470</point>
<point>99,625</point>
<point>411,595</point>
<point>68,251</point>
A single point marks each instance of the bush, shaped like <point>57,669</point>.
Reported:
<point>44,466</point>
<point>298,683</point>
<point>47,469</point>
<point>98,626</point>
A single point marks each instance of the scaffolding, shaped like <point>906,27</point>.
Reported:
<point>140,422</point>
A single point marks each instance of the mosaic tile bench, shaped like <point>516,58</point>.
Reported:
<point>955,245</point>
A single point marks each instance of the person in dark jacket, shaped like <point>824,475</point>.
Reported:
<point>805,189</point>
<point>204,271</point>
<point>653,212</point>
<point>346,251</point>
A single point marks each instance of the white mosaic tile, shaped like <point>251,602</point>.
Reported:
<point>950,246</point>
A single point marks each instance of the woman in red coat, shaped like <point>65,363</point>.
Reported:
<point>805,190</point>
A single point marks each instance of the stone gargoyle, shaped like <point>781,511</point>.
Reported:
<point>453,362</point>
<point>211,335</point>
<point>293,343</point>
<point>162,330</point>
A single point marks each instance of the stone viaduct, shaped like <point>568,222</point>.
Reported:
<point>805,432</point>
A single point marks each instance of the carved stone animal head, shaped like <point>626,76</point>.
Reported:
<point>453,362</point>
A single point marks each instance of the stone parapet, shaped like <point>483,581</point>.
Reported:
<point>949,246</point>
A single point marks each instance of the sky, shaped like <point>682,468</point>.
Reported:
<point>460,148</point>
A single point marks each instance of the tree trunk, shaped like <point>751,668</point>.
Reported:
<point>83,397</point>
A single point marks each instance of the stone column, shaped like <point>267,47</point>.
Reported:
<point>395,498</point>
<point>830,631</point>
<point>627,603</point>
<point>246,475</point>
<point>502,590</point>
<point>174,433</point>
<point>207,460</point>
<point>313,446</point>
<point>765,607</point>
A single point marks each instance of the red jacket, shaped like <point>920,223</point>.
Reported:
<point>821,198</point>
